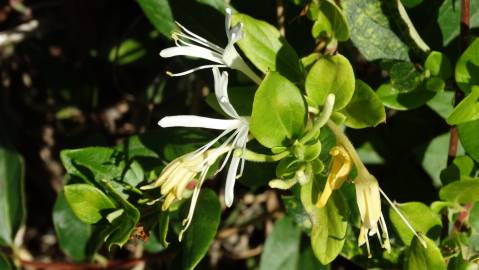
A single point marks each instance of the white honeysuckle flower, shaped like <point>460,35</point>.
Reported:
<point>193,45</point>
<point>236,129</point>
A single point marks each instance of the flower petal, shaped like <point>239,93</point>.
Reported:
<point>221,92</point>
<point>192,51</point>
<point>230,181</point>
<point>199,121</point>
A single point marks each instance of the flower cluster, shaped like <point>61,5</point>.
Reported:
<point>302,164</point>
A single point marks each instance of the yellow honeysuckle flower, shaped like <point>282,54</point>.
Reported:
<point>340,168</point>
<point>368,198</point>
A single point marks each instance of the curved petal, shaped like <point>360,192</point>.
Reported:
<point>231,180</point>
<point>192,51</point>
<point>199,121</point>
<point>221,92</point>
<point>228,22</point>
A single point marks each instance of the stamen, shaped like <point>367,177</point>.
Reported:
<point>199,38</point>
<point>169,73</point>
<point>404,219</point>
<point>207,45</point>
<point>194,199</point>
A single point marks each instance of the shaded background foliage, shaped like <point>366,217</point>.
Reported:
<point>90,75</point>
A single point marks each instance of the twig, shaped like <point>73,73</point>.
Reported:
<point>75,266</point>
<point>459,95</point>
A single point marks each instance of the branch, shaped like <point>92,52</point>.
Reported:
<point>459,95</point>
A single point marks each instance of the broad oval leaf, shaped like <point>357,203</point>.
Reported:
<point>449,19</point>
<point>88,202</point>
<point>439,65</point>
<point>331,74</point>
<point>160,15</point>
<point>267,49</point>
<point>419,257</point>
<point>394,99</point>
<point>370,29</point>
<point>468,136</point>
<point>279,111</point>
<point>329,224</point>
<point>467,110</point>
<point>365,108</point>
<point>12,204</point>
<point>463,191</point>
<point>281,249</point>
<point>404,77</point>
<point>467,67</point>
<point>421,218</point>
<point>202,230</point>
<point>72,233</point>
<point>332,21</point>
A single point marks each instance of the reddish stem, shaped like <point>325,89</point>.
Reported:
<point>87,266</point>
<point>459,95</point>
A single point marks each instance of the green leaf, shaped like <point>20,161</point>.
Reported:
<point>307,260</point>
<point>404,77</point>
<point>331,74</point>
<point>435,84</point>
<point>434,155</point>
<point>99,160</point>
<point>160,15</point>
<point>332,21</point>
<point>5,263</point>
<point>419,257</point>
<point>202,230</point>
<point>12,197</point>
<point>467,67</point>
<point>281,249</point>
<point>267,49</point>
<point>278,106</point>
<point>73,235</point>
<point>365,108</point>
<point>329,224</point>
<point>394,99</point>
<point>127,52</point>
<point>467,110</point>
<point>474,217</point>
<point>462,167</point>
<point>124,221</point>
<point>295,210</point>
<point>87,202</point>
<point>468,136</point>
<point>421,218</point>
<point>442,103</point>
<point>439,65</point>
<point>134,175</point>
<point>370,29</point>
<point>449,19</point>
<point>464,191</point>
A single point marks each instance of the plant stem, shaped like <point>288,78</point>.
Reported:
<point>253,156</point>
<point>459,95</point>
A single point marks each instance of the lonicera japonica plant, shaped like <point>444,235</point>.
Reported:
<point>281,125</point>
